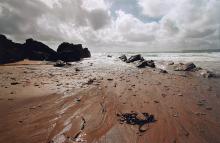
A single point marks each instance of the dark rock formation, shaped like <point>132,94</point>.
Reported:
<point>69,52</point>
<point>123,58</point>
<point>35,50</point>
<point>143,64</point>
<point>10,51</point>
<point>135,58</point>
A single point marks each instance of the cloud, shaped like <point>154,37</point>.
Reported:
<point>108,24</point>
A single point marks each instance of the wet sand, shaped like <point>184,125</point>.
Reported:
<point>43,104</point>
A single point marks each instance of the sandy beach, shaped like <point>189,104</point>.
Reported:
<point>40,103</point>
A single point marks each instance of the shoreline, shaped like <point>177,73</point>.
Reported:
<point>43,103</point>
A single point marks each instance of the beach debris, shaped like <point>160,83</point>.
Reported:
<point>139,119</point>
<point>123,58</point>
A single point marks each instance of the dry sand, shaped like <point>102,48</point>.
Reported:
<point>43,104</point>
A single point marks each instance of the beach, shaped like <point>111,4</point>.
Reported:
<point>40,103</point>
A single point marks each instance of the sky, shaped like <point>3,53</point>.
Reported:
<point>115,25</point>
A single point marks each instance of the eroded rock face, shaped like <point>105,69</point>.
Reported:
<point>35,50</point>
<point>10,51</point>
<point>69,52</point>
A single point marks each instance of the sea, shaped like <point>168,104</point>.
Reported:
<point>205,60</point>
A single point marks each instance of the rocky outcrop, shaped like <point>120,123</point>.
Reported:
<point>35,50</point>
<point>69,52</point>
<point>10,51</point>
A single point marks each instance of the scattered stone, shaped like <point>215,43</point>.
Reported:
<point>162,71</point>
<point>110,79</point>
<point>14,83</point>
<point>155,101</point>
<point>185,67</point>
<point>77,69</point>
<point>200,103</point>
<point>123,58</point>
<point>206,73</point>
<point>59,63</point>
<point>208,108</point>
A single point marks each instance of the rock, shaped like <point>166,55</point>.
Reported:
<point>162,71</point>
<point>14,83</point>
<point>143,64</point>
<point>135,58</point>
<point>10,51</point>
<point>86,53</point>
<point>109,56</point>
<point>206,73</point>
<point>69,52</point>
<point>35,50</point>
<point>185,67</point>
<point>170,63</point>
<point>123,58</point>
<point>59,63</point>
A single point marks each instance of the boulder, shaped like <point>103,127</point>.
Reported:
<point>135,58</point>
<point>185,67</point>
<point>35,50</point>
<point>59,63</point>
<point>123,58</point>
<point>69,52</point>
<point>143,64</point>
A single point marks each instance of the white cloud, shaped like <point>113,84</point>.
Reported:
<point>181,24</point>
<point>156,8</point>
